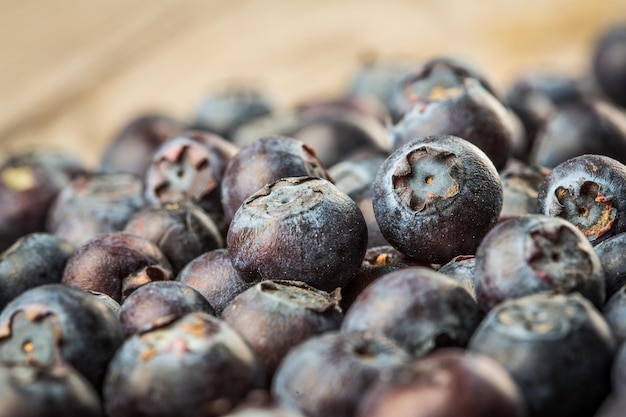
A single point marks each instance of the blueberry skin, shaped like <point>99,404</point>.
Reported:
<point>449,382</point>
<point>34,259</point>
<point>182,230</point>
<point>610,252</point>
<point>116,264</point>
<point>189,167</point>
<point>436,197</point>
<point>213,275</point>
<point>557,347</point>
<point>582,127</point>
<point>462,269</point>
<point>520,187</point>
<point>193,366</point>
<point>275,316</point>
<point>29,184</point>
<point>590,192</point>
<point>614,312</point>
<point>30,390</point>
<point>300,228</point>
<point>419,308</point>
<point>94,203</point>
<point>159,301</point>
<point>131,149</point>
<point>265,161</point>
<point>448,102</point>
<point>56,323</point>
<point>327,375</point>
<point>536,253</point>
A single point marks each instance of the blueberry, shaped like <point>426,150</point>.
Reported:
<point>536,253</point>
<point>56,323</point>
<point>449,382</point>
<point>463,270</point>
<point>182,230</point>
<point>418,308</point>
<point>275,316</point>
<point>131,149</point>
<point>436,197</point>
<point>223,110</point>
<point>557,347</point>
<point>195,365</point>
<point>34,259</point>
<point>213,275</point>
<point>29,183</point>
<point>31,390</point>
<point>159,301</point>
<point>613,263</point>
<point>300,228</point>
<point>609,63</point>
<point>94,203</point>
<point>189,167</point>
<point>590,192</point>
<point>327,375</point>
<point>377,262</point>
<point>442,99</point>
<point>264,161</point>
<point>581,127</point>
<point>116,264</point>
<point>614,312</point>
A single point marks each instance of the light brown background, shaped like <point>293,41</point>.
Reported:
<point>73,71</point>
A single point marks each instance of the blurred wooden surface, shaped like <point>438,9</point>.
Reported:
<point>73,71</point>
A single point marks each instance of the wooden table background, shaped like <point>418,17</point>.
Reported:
<point>73,72</point>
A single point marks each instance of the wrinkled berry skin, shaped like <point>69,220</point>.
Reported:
<point>34,259</point>
<point>131,150</point>
<point>610,252</point>
<point>581,127</point>
<point>436,197</point>
<point>557,347</point>
<point>444,101</point>
<point>609,63</point>
<point>94,203</point>
<point>449,382</point>
<point>152,304</point>
<point>189,167</point>
<point>275,316</point>
<point>30,390</point>
<point>196,366</point>
<point>590,192</point>
<point>213,275</point>
<point>419,308</point>
<point>327,375</point>
<point>536,253</point>
<point>300,228</point>
<point>55,323</point>
<point>116,264</point>
<point>265,161</point>
<point>29,183</point>
<point>183,231</point>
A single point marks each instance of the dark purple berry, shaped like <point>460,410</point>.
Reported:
<point>590,192</point>
<point>609,63</point>
<point>300,228</point>
<point>436,197</point>
<point>116,264</point>
<point>275,316</point>
<point>419,308</point>
<point>536,253</point>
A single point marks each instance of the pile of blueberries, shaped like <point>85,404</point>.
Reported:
<point>421,245</point>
